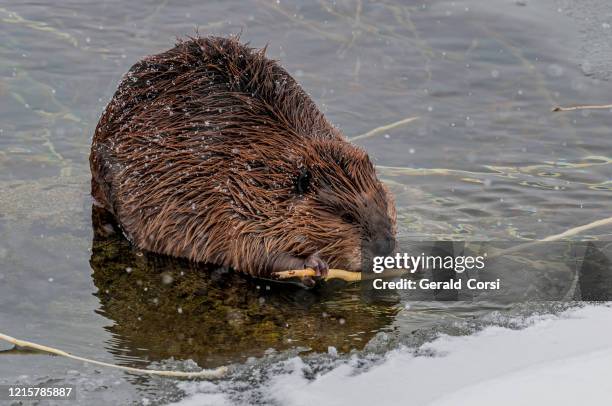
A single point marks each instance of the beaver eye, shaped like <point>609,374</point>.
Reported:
<point>349,218</point>
<point>302,183</point>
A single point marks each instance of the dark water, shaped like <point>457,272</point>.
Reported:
<point>485,160</point>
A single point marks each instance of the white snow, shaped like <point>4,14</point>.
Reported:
<point>558,360</point>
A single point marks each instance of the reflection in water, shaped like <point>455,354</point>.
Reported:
<point>164,307</point>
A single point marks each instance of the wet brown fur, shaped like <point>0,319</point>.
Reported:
<point>200,152</point>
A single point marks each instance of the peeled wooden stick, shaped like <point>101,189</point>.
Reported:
<point>384,128</point>
<point>348,276</point>
<point>578,230</point>
<point>205,373</point>
<point>332,274</point>
<point>556,237</point>
<point>587,107</point>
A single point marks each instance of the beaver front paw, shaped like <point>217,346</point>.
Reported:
<point>287,263</point>
<point>317,264</point>
<point>320,267</point>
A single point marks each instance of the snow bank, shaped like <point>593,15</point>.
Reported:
<point>561,360</point>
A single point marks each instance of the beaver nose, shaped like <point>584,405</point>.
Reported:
<point>383,246</point>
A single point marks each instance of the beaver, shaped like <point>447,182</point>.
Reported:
<point>213,152</point>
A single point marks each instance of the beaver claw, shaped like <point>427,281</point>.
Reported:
<point>318,265</point>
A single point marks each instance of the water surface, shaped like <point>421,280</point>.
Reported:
<point>485,160</point>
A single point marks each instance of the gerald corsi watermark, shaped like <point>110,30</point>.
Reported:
<point>433,263</point>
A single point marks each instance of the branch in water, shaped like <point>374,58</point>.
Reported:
<point>381,129</point>
<point>206,373</point>
<point>592,107</point>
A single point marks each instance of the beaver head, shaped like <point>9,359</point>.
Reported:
<point>213,152</point>
<point>314,195</point>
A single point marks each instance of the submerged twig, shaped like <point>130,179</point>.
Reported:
<point>586,107</point>
<point>205,373</point>
<point>556,237</point>
<point>578,230</point>
<point>304,22</point>
<point>13,18</point>
<point>381,129</point>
